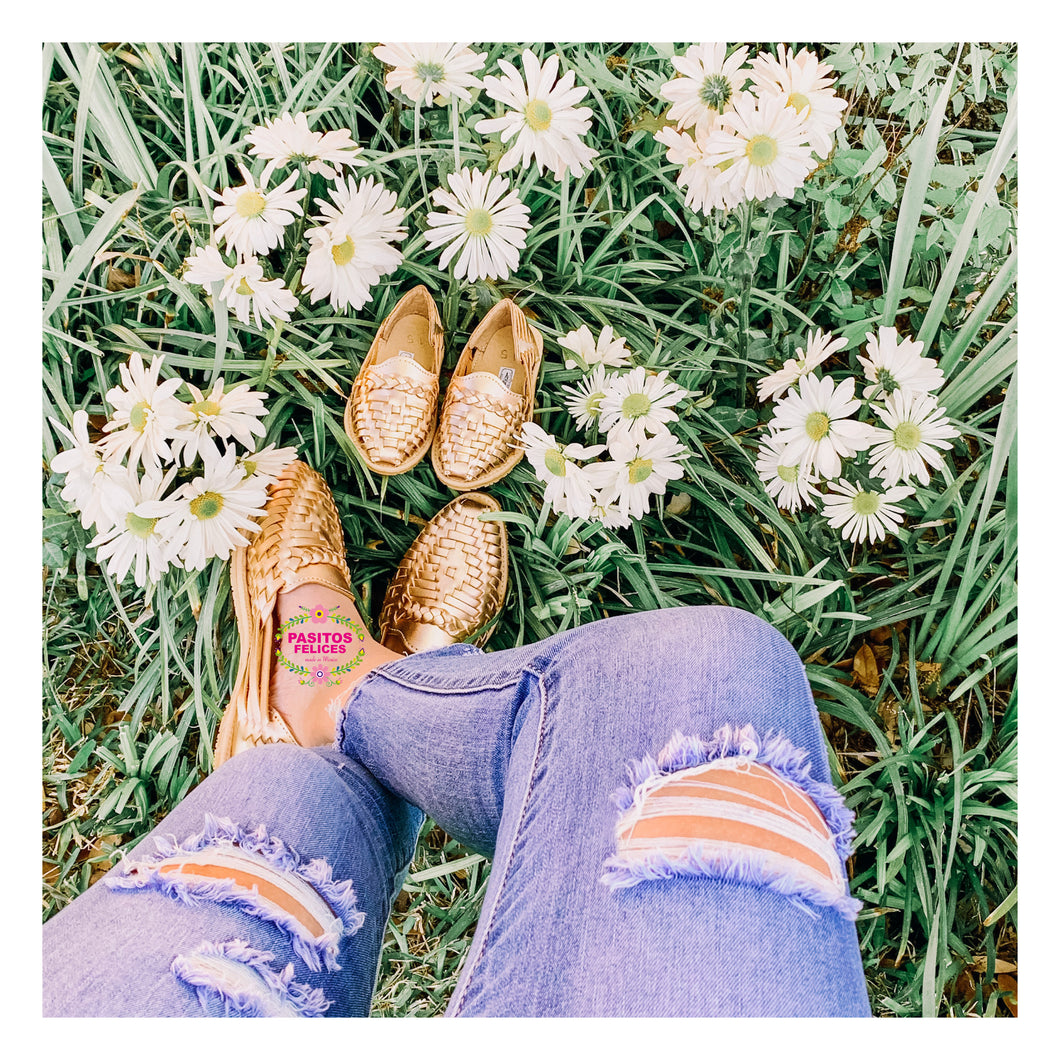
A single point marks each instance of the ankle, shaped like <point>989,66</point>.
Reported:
<point>323,651</point>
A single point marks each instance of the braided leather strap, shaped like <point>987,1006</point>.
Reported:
<point>453,575</point>
<point>301,527</point>
<point>478,426</point>
<point>393,414</point>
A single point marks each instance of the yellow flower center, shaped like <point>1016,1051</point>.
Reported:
<point>592,403</point>
<point>249,467</point>
<point>250,204</point>
<point>865,503</point>
<point>538,115</point>
<point>761,150</point>
<point>787,474</point>
<point>556,463</point>
<point>639,470</point>
<point>635,406</point>
<point>798,101</point>
<point>907,436</point>
<point>478,222</point>
<point>428,72</point>
<point>206,407</point>
<point>816,426</point>
<point>244,288</point>
<point>886,380</point>
<point>715,92</point>
<point>139,414</point>
<point>207,505</point>
<point>343,253</point>
<point>138,526</point>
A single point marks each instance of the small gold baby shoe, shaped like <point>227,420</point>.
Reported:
<point>299,542</point>
<point>392,409</point>
<point>490,397</point>
<point>451,582</point>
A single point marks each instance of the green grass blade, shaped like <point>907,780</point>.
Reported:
<point>923,154</point>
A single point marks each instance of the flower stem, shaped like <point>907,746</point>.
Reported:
<point>454,106</point>
<point>564,222</point>
<point>746,277</point>
<point>419,151</point>
<point>296,257</point>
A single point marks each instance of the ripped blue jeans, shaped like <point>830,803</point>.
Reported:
<point>628,877</point>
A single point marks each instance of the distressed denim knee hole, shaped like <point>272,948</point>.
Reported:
<point>245,983</point>
<point>738,807</point>
<point>183,871</point>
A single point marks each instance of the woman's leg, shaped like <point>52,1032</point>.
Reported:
<point>265,892</point>
<point>715,885</point>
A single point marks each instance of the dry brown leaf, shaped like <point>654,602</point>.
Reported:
<point>979,964</point>
<point>866,672</point>
<point>889,710</point>
<point>929,673</point>
<point>120,280</point>
<point>680,504</point>
<point>1008,983</point>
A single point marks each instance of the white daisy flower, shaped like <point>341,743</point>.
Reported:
<point>791,487</point>
<point>898,366</point>
<point>585,397</point>
<point>206,266</point>
<point>860,513</point>
<point>213,509</point>
<point>804,84</point>
<point>764,144</point>
<point>812,423</point>
<point>134,540</point>
<point>485,223</point>
<point>286,139</point>
<point>568,487</point>
<point>92,483</point>
<point>247,291</point>
<point>251,219</point>
<point>916,428</point>
<point>351,252</point>
<point>611,516</point>
<point>637,404</point>
<point>706,85</point>
<point>640,469</point>
<point>82,459</point>
<point>236,414</point>
<point>146,414</point>
<point>430,73</point>
<point>244,288</point>
<point>705,184</point>
<point>544,122</point>
<point>267,463</point>
<point>819,347</point>
<point>609,349</point>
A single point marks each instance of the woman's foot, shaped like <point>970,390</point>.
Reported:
<point>321,651</point>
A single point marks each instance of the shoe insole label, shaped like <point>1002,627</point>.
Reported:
<point>506,376</point>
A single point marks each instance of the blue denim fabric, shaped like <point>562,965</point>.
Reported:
<point>516,753</point>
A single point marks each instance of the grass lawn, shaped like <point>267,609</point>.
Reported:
<point>905,220</point>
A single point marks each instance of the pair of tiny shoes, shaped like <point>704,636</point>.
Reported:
<point>449,587</point>
<point>392,413</point>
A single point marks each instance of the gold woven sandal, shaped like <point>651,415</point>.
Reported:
<point>451,582</point>
<point>299,542</point>
<point>490,397</point>
<point>392,409</point>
